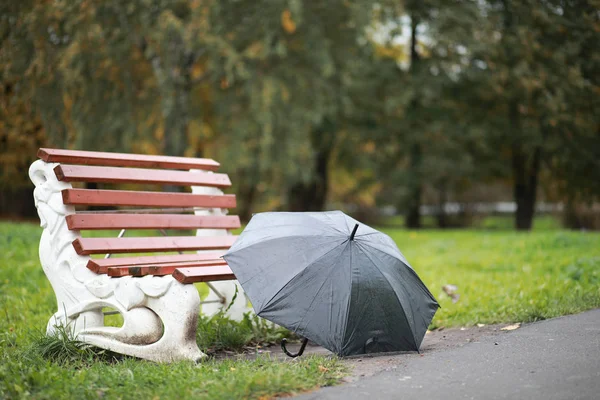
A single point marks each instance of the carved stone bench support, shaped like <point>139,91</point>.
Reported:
<point>159,313</point>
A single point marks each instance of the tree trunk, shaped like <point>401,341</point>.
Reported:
<point>415,189</point>
<point>176,123</point>
<point>415,186</point>
<point>175,92</point>
<point>525,175</point>
<point>247,182</point>
<point>570,218</point>
<point>442,218</point>
<point>312,195</point>
<point>247,195</point>
<point>176,117</point>
<point>17,202</point>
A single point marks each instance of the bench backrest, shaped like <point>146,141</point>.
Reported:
<point>154,212</point>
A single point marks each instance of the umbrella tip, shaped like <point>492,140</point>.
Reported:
<point>353,232</point>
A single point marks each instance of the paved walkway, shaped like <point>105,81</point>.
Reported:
<point>553,359</point>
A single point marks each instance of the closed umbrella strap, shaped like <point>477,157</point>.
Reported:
<point>299,353</point>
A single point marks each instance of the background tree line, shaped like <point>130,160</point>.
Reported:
<point>316,104</point>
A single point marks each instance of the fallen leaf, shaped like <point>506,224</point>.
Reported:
<point>480,325</point>
<point>450,290</point>
<point>511,327</point>
<point>323,369</point>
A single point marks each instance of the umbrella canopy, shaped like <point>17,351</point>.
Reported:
<point>350,292</point>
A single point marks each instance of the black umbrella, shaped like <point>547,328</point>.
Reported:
<point>333,280</point>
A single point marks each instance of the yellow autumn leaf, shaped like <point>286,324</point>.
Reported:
<point>198,70</point>
<point>287,22</point>
<point>369,147</point>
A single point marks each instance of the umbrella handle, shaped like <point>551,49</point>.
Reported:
<point>299,353</point>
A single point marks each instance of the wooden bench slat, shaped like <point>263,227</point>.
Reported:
<point>101,265</point>
<point>203,274</point>
<point>86,246</point>
<point>145,199</point>
<point>86,173</point>
<point>125,160</point>
<point>151,221</point>
<point>160,269</point>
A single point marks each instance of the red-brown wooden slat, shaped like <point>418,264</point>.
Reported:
<point>160,269</point>
<point>151,221</point>
<point>85,246</point>
<point>101,265</point>
<point>86,173</point>
<point>203,274</point>
<point>125,160</point>
<point>145,199</point>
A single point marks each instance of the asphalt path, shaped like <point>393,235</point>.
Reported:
<point>552,359</point>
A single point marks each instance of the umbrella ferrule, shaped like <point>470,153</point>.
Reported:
<point>353,232</point>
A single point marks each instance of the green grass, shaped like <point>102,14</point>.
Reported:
<point>35,366</point>
<point>502,276</point>
<point>505,276</point>
<point>36,377</point>
<point>486,222</point>
<point>506,222</point>
<point>220,333</point>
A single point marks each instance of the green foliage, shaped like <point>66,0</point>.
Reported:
<point>221,333</point>
<point>316,102</point>
<point>63,348</point>
<point>283,111</point>
<point>490,90</point>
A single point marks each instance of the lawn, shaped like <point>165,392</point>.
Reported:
<point>501,276</point>
<point>505,276</point>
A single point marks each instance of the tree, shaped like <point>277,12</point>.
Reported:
<point>293,90</point>
<point>529,77</point>
<point>427,151</point>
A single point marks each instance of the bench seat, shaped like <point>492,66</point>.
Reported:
<point>101,265</point>
<point>177,239</point>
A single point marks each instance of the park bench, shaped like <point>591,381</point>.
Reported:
<point>146,277</point>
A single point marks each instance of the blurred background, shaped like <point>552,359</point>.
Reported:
<point>421,113</point>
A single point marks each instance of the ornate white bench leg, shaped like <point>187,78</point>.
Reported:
<point>65,269</point>
<point>161,328</point>
<point>160,314</point>
<point>213,303</point>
